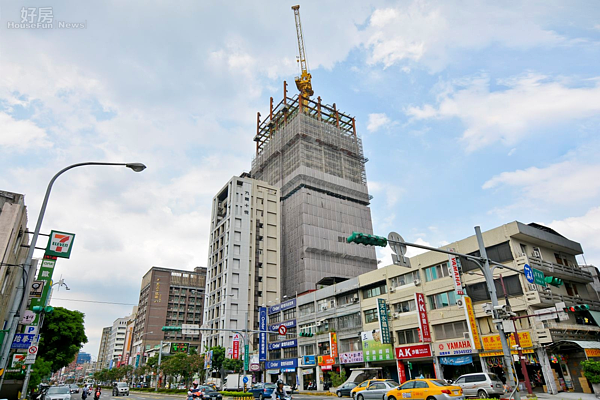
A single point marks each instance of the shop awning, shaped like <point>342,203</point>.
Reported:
<point>596,316</point>
<point>307,371</point>
<point>575,344</point>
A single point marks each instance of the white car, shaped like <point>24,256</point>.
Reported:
<point>120,389</point>
<point>58,393</point>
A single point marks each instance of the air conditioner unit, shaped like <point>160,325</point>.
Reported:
<point>318,323</point>
<point>536,253</point>
<point>466,335</point>
<point>417,282</point>
<point>355,299</point>
<point>323,307</point>
<point>396,315</point>
<point>392,289</point>
<point>460,303</point>
<point>522,254</point>
<point>532,286</point>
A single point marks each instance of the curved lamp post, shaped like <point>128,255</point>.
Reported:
<point>18,299</point>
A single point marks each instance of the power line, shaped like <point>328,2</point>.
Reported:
<point>94,301</point>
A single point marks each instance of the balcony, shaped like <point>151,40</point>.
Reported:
<point>542,298</point>
<point>566,272</point>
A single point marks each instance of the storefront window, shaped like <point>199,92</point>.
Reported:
<point>371,316</point>
<point>437,272</point>
<point>442,300</point>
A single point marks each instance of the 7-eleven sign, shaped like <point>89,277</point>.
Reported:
<point>60,244</point>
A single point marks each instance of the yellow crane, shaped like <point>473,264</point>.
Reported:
<point>303,81</point>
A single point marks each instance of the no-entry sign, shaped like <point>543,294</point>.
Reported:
<point>282,330</point>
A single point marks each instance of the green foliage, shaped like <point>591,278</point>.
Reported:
<point>337,379</point>
<point>152,362</point>
<point>591,370</point>
<point>218,357</point>
<point>229,364</point>
<point>41,369</point>
<point>236,394</point>
<point>63,335</point>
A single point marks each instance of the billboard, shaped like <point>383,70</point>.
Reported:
<point>374,349</point>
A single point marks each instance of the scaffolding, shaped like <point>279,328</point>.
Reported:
<point>303,132</point>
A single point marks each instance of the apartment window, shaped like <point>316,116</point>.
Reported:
<point>306,309</point>
<point>436,272</point>
<point>349,298</point>
<point>407,336</point>
<point>374,291</point>
<point>352,344</point>
<point>404,279</point>
<point>274,318</point>
<point>371,316</point>
<point>289,314</point>
<point>405,306</point>
<point>442,300</point>
<point>322,304</point>
<point>451,330</point>
<point>499,253</point>
<point>275,354</point>
<point>349,321</point>
<point>479,291</point>
<point>323,348</point>
<point>291,352</point>
<point>308,349</point>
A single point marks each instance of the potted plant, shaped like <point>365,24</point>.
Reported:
<point>591,370</point>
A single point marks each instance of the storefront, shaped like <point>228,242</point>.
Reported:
<point>456,358</point>
<point>352,359</point>
<point>415,361</point>
<point>282,369</point>
<point>378,354</point>
<point>565,361</point>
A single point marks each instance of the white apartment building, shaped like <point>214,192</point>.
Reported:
<point>243,262</point>
<point>116,341</point>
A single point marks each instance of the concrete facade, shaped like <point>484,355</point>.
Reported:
<point>103,352</point>
<point>116,340</point>
<point>319,167</point>
<point>13,225</point>
<point>244,257</point>
<point>168,297</point>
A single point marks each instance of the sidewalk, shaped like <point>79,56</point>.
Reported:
<point>565,396</point>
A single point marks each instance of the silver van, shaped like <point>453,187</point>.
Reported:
<point>482,385</point>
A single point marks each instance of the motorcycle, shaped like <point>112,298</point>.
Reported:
<point>97,394</point>
<point>194,395</point>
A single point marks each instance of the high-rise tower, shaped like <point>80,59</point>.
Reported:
<point>311,152</point>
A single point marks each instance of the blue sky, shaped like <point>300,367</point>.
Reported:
<point>471,113</point>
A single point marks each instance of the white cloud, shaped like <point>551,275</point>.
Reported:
<point>20,135</point>
<point>584,229</point>
<point>566,182</point>
<point>433,34</point>
<point>377,121</point>
<point>392,193</point>
<point>529,103</point>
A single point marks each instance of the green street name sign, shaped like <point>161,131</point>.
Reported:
<point>538,277</point>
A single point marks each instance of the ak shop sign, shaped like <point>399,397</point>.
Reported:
<point>423,320</point>
<point>455,348</point>
<point>416,351</point>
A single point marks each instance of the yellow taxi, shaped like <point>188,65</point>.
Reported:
<point>425,389</point>
<point>369,383</point>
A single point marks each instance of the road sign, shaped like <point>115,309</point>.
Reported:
<point>31,330</point>
<point>190,329</point>
<point>33,349</point>
<point>397,245</point>
<point>22,341</point>
<point>245,379</point>
<point>31,354</point>
<point>528,273</point>
<point>538,277</point>
<point>246,357</point>
<point>37,289</point>
<point>282,330</point>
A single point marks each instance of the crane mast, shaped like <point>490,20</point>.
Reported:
<point>303,82</point>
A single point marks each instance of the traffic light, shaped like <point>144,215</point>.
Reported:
<point>40,309</point>
<point>306,333</point>
<point>366,239</point>
<point>550,280</point>
<point>171,328</point>
<point>579,307</point>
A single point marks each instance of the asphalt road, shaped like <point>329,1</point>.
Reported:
<point>157,396</point>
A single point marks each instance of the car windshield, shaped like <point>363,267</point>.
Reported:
<point>73,386</point>
<point>438,382</point>
<point>121,384</point>
<point>393,383</point>
<point>270,386</point>
<point>493,377</point>
<point>58,390</point>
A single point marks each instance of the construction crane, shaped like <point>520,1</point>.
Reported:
<point>303,81</point>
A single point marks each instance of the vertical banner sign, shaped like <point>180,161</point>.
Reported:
<point>454,269</point>
<point>401,372</point>
<point>423,320</point>
<point>246,357</point>
<point>384,326</point>
<point>236,346</point>
<point>472,322</point>
<point>44,275</point>
<point>262,336</point>
<point>333,345</point>
<point>60,244</point>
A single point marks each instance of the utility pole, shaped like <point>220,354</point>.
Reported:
<point>158,367</point>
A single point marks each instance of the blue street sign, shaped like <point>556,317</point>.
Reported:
<point>528,273</point>
<point>245,379</point>
<point>22,341</point>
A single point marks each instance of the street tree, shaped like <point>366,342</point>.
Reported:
<point>230,364</point>
<point>62,336</point>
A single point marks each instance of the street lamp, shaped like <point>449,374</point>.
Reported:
<point>18,303</point>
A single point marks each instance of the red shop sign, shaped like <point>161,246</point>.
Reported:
<point>416,351</point>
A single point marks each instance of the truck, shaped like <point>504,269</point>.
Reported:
<point>235,382</point>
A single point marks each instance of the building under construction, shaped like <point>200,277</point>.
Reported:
<point>311,152</point>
